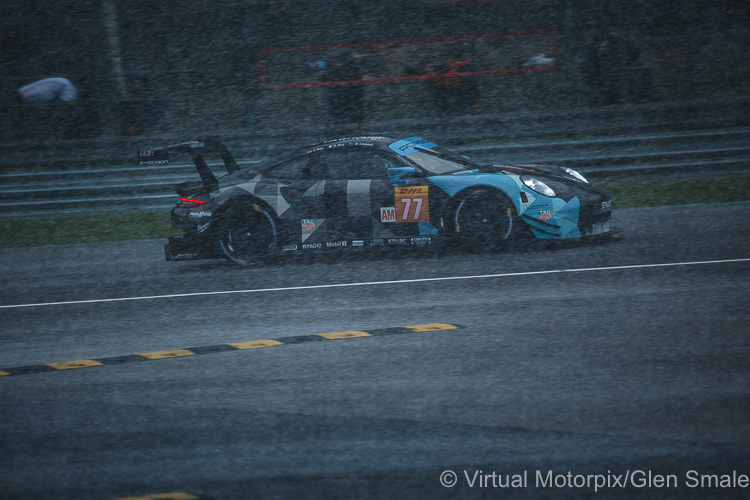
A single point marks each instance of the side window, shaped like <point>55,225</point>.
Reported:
<point>291,169</point>
<point>357,164</point>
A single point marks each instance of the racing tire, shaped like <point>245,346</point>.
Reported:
<point>248,234</point>
<point>484,219</point>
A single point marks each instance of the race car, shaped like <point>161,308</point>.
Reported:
<point>371,192</point>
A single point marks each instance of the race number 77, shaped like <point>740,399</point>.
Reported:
<point>412,204</point>
<point>407,203</point>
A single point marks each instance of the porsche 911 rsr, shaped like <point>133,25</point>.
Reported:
<point>372,192</point>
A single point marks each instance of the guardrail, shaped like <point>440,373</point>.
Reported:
<point>604,121</point>
<point>628,158</point>
<point>637,157</point>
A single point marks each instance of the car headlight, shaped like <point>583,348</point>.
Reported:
<point>536,185</point>
<point>575,174</point>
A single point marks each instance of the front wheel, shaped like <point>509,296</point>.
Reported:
<point>483,218</point>
<point>248,235</point>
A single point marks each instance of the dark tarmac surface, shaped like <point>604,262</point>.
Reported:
<point>623,368</point>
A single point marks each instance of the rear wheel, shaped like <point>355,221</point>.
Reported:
<point>484,218</point>
<point>249,234</point>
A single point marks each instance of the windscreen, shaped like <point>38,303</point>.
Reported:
<point>440,161</point>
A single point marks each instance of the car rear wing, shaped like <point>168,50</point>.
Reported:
<point>161,156</point>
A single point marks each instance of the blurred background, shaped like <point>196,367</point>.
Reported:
<point>252,68</point>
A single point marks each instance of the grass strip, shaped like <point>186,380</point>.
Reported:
<point>85,229</point>
<point>680,192</point>
<point>149,225</point>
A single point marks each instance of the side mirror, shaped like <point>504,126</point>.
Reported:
<point>399,175</point>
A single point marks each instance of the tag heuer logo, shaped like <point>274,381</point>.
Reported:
<point>545,215</point>
<point>308,224</point>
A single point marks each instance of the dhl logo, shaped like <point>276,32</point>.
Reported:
<point>412,191</point>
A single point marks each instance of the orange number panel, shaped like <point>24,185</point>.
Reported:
<point>412,204</point>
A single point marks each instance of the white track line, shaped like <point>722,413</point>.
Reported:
<point>373,283</point>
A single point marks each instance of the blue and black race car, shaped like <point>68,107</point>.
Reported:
<point>372,191</point>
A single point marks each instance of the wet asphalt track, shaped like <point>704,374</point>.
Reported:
<point>635,370</point>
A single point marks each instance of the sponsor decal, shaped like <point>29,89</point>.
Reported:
<point>387,214</point>
<point>411,191</point>
<point>421,241</point>
<point>287,248</point>
<point>152,157</point>
<point>397,241</point>
<point>545,215</point>
<point>412,204</point>
<point>203,227</point>
<point>309,226</point>
<point>307,246</point>
<point>606,205</point>
<point>597,228</point>
<point>377,242</point>
<point>186,256</point>
<point>411,145</point>
<point>358,243</point>
<point>335,244</point>
<point>201,214</point>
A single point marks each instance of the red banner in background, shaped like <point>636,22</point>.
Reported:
<point>407,60</point>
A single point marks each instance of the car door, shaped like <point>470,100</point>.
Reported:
<point>300,183</point>
<point>364,203</point>
<point>347,193</point>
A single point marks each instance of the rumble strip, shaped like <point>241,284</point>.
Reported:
<point>234,346</point>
